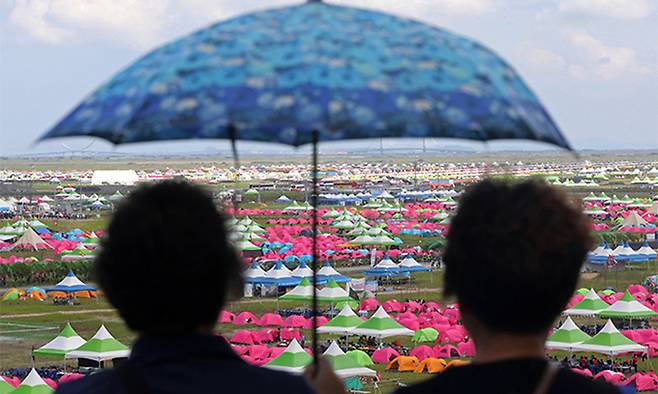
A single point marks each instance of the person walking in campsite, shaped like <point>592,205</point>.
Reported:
<point>521,242</point>
<point>148,243</point>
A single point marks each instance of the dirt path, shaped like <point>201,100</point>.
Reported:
<point>56,313</point>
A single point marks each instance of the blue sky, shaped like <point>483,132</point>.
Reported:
<point>594,63</point>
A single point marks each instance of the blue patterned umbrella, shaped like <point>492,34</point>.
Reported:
<point>347,73</point>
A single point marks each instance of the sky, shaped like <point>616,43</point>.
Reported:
<point>593,63</point>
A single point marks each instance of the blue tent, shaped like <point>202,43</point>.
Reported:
<point>327,273</point>
<point>70,284</point>
<point>386,267</point>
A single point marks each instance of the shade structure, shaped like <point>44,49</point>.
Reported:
<point>627,307</point>
<point>360,357</point>
<point>71,285</point>
<point>344,365</point>
<point>333,293</point>
<point>101,347</point>
<point>646,251</point>
<point>66,341</point>
<point>409,264</point>
<point>302,271</point>
<point>381,325</point>
<point>588,306</point>
<point>279,275</point>
<point>343,323</point>
<point>294,359</point>
<point>565,337</point>
<point>30,240</point>
<point>5,387</point>
<point>33,384</point>
<point>244,245</point>
<point>255,275</point>
<point>386,267</point>
<point>609,341</point>
<point>302,292</point>
<point>327,273</point>
<point>634,220</point>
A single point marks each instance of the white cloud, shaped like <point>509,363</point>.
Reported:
<point>30,17</point>
<point>543,58</point>
<point>623,9</point>
<point>604,61</point>
<point>423,8</point>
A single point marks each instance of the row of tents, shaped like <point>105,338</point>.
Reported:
<point>69,286</point>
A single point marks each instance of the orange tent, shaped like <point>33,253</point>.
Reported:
<point>457,363</point>
<point>403,363</point>
<point>431,365</point>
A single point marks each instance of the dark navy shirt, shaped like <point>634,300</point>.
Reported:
<point>188,364</point>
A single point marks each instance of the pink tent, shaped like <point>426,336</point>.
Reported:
<point>275,351</point>
<point>431,306</point>
<point>467,349</point>
<point>69,377</point>
<point>288,334</point>
<point>369,304</point>
<point>242,336</point>
<point>643,381</point>
<point>412,306</point>
<point>14,381</point>
<point>422,352</point>
<point>584,372</point>
<point>258,352</point>
<point>239,350</point>
<point>634,289</point>
<point>384,355</point>
<point>392,306</point>
<point>50,382</point>
<point>295,321</point>
<point>266,335</point>
<point>411,324</point>
<point>456,333</point>
<point>405,315</point>
<point>226,317</point>
<point>270,319</point>
<point>576,298</point>
<point>446,351</point>
<point>245,317</point>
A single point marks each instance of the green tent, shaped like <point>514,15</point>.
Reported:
<point>425,335</point>
<point>66,341</point>
<point>360,357</point>
<point>582,291</point>
<point>332,293</point>
<point>102,346</point>
<point>5,387</point>
<point>342,323</point>
<point>343,365</point>
<point>627,307</point>
<point>381,325</point>
<point>302,292</point>
<point>565,337</point>
<point>294,359</point>
<point>11,295</point>
<point>33,384</point>
<point>609,341</point>
<point>588,306</point>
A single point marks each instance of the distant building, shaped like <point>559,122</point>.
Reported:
<point>114,177</point>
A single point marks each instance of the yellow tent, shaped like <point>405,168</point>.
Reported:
<point>431,365</point>
<point>456,363</point>
<point>403,363</point>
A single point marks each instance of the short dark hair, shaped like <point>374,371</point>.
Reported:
<point>514,253</point>
<point>165,262</point>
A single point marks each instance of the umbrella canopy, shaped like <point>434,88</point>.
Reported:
<point>565,337</point>
<point>381,325</point>
<point>588,306</point>
<point>627,307</point>
<point>102,346</point>
<point>294,359</point>
<point>33,384</point>
<point>66,341</point>
<point>344,365</point>
<point>343,323</point>
<point>250,72</point>
<point>609,341</point>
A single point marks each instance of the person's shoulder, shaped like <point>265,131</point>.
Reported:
<point>446,381</point>
<point>570,382</point>
<point>98,383</point>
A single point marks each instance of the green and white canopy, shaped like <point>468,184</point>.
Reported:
<point>627,307</point>
<point>344,365</point>
<point>381,325</point>
<point>333,293</point>
<point>294,359</point>
<point>609,341</point>
<point>33,384</point>
<point>66,341</point>
<point>565,337</point>
<point>302,292</point>
<point>343,323</point>
<point>5,387</point>
<point>102,346</point>
<point>588,306</point>
<point>244,244</point>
